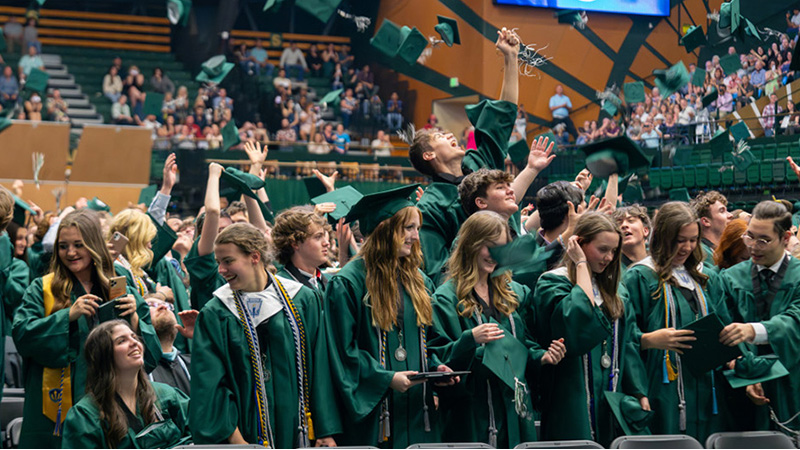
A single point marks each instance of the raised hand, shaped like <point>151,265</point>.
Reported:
<point>507,42</point>
<point>541,154</point>
<point>327,181</point>
<point>254,152</point>
<point>169,175</point>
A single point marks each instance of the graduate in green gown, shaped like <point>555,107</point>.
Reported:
<point>634,223</point>
<point>122,408</point>
<point>436,153</point>
<point>257,344</point>
<point>470,310</point>
<point>378,315</point>
<point>667,291</point>
<point>302,241</point>
<point>56,315</point>
<point>712,209</point>
<point>762,295</point>
<point>597,327</point>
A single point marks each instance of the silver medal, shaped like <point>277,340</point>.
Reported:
<point>605,361</point>
<point>400,354</point>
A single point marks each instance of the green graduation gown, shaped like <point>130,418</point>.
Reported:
<point>442,213</point>
<point>84,428</point>
<point>14,279</point>
<point>361,380</point>
<point>782,322</point>
<point>465,408</point>
<point>222,378</point>
<point>588,335</point>
<point>641,281</point>
<point>38,260</point>
<point>203,277</point>
<point>54,341</point>
<point>708,252</point>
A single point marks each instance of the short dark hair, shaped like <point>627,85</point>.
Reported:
<point>235,207</point>
<point>420,145</point>
<point>475,185</point>
<point>551,201</point>
<point>636,210</point>
<point>775,211</point>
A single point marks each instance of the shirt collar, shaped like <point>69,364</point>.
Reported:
<point>773,267</point>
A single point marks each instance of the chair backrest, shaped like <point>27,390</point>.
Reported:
<point>10,409</point>
<point>656,441</point>
<point>442,445</point>
<point>223,446</point>
<point>749,439</point>
<point>12,433</point>
<point>559,444</point>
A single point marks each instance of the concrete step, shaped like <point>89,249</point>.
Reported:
<point>83,121</point>
<point>79,102</point>
<point>59,71</point>
<point>81,113</point>
<point>68,92</point>
<point>51,59</point>
<point>62,82</point>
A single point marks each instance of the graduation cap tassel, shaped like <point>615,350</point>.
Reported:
<point>38,162</point>
<point>408,134</point>
<point>529,57</point>
<point>362,22</point>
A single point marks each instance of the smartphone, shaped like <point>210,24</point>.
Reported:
<point>118,242</point>
<point>117,287</point>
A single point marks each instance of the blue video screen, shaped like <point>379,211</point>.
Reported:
<point>640,7</point>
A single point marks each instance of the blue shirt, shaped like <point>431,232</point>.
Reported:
<point>556,100</point>
<point>259,54</point>
<point>758,77</point>
<point>9,86</point>
<point>341,141</point>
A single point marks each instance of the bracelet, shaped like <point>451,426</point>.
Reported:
<point>581,262</point>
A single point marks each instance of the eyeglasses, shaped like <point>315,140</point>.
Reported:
<point>750,241</point>
<point>159,303</point>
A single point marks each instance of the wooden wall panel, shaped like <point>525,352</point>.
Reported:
<point>113,154</point>
<point>19,141</point>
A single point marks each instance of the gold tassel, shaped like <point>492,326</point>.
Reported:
<point>310,426</point>
<point>671,374</point>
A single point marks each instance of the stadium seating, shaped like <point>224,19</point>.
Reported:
<point>749,439</point>
<point>656,441</point>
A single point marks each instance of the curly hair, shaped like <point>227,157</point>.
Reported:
<point>703,202</point>
<point>294,226</point>
<point>636,210</point>
<point>476,184</point>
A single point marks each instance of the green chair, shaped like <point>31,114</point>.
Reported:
<point>678,177</point>
<point>666,178</point>
<point>655,177</point>
<point>705,156</point>
<point>779,171</point>
<point>754,173</point>
<point>701,176</point>
<point>765,171</point>
<point>728,178</point>
<point>714,175</point>
<point>689,176</point>
<point>768,152</point>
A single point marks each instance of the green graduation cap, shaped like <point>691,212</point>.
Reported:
<point>615,155</point>
<point>569,16</point>
<point>178,11</point>
<point>609,108</point>
<point>522,255</point>
<point>743,160</point>
<point>740,131</point>
<point>707,352</point>
<point>735,15</point>
<point>374,208</point>
<point>730,63</point>
<point>96,204</point>
<point>448,30</point>
<point>20,208</point>
<point>147,194</point>
<point>214,70</point>
<point>37,81</point>
<point>230,136</point>
<point>725,14</point>
<point>710,97</point>
<point>698,77</point>
<point>321,9</point>
<point>153,104</point>
<point>679,195</point>
<point>755,369</point>
<point>314,186</point>
<point>412,45</point>
<point>507,358</point>
<point>518,152</point>
<point>246,184</point>
<point>387,39</point>
<point>720,143</point>
<point>683,155</point>
<point>693,38</point>
<point>345,198</point>
<point>629,413</point>
<point>672,79</point>
<point>331,97</point>
<point>634,92</point>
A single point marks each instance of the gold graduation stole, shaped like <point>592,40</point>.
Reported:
<point>56,382</point>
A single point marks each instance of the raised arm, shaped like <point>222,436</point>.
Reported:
<point>257,157</point>
<point>205,246</point>
<point>538,159</point>
<point>508,44</point>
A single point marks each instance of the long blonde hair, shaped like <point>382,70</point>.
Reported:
<point>88,225</point>
<point>481,228</point>
<point>383,267</point>
<point>140,231</point>
<point>671,218</point>
<point>588,227</point>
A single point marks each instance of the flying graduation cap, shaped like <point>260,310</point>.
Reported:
<point>693,38</point>
<point>321,9</point>
<point>401,42</point>
<point>178,11</point>
<point>672,79</point>
<point>448,30</point>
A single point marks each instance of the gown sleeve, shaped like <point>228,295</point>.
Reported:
<point>493,121</point>
<point>51,341</point>
<point>82,427</point>
<point>576,318</point>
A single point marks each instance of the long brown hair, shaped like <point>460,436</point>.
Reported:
<point>88,225</point>
<point>481,228</point>
<point>383,266</point>
<point>101,383</point>
<point>671,217</point>
<point>140,231</point>
<point>588,227</point>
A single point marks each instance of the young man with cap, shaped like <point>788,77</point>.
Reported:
<point>634,223</point>
<point>712,210</point>
<point>438,155</point>
<point>763,298</point>
<point>302,240</point>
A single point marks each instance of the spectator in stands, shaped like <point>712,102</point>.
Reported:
<point>259,60</point>
<point>33,107</point>
<point>121,112</point>
<point>560,105</point>
<point>367,79</point>
<point>328,134</point>
<point>29,62</point>
<point>30,35</point>
<point>13,32</point>
<point>168,129</point>
<point>521,123</point>
<point>133,87</point>
<point>9,88</point>
<point>292,59</point>
<point>319,146</point>
<point>758,77</point>
<point>308,122</point>
<point>338,77</point>
<point>381,145</point>
<point>182,104</point>
<point>768,115</point>
<point>173,367</point>
<point>745,91</point>
<point>772,77</point>
<point>222,101</point>
<point>345,58</point>
<point>199,116</point>
<point>161,83</point>
<point>584,133</point>
<point>281,83</point>
<point>112,84</point>
<point>57,107</point>
<point>394,114</point>
<point>376,109</point>
<point>342,140</point>
<point>329,60</point>
<point>347,107</point>
<point>609,129</point>
<point>791,123</point>
<point>214,137</point>
<point>432,123</point>
<point>314,61</point>
<point>122,71</point>
<point>286,134</point>
<point>194,128</point>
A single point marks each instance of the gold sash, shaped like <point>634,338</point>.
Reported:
<point>56,381</point>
